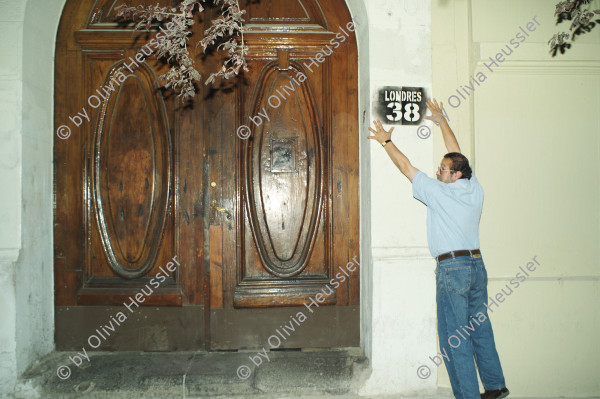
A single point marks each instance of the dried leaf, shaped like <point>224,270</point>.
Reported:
<point>173,48</point>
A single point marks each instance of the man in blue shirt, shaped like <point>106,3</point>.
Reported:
<point>454,202</point>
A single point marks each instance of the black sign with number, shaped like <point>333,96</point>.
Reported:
<point>401,105</point>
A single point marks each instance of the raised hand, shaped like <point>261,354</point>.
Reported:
<point>380,134</point>
<point>437,114</point>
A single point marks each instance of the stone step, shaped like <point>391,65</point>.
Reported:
<point>195,374</point>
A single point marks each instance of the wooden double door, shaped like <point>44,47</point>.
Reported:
<point>218,240</point>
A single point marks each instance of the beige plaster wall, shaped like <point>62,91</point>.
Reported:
<point>532,132</point>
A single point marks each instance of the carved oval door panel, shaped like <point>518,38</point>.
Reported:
<point>118,169</point>
<point>284,173</point>
<point>296,203</point>
<point>131,169</point>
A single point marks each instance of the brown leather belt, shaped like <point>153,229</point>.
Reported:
<point>464,252</point>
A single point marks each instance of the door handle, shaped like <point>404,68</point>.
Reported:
<point>220,209</point>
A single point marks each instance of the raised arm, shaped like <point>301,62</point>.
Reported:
<point>399,159</point>
<point>438,118</point>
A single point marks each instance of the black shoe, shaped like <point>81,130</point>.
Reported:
<point>495,394</point>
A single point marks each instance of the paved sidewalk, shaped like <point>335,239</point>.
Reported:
<point>150,375</point>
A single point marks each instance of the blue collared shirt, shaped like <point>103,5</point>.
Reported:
<point>453,212</point>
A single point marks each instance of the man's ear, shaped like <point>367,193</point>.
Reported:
<point>456,176</point>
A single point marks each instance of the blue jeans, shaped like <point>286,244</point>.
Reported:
<point>464,328</point>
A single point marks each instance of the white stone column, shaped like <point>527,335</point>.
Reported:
<point>400,298</point>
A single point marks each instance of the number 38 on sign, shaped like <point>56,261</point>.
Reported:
<point>401,105</point>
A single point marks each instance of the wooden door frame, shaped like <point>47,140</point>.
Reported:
<point>62,262</point>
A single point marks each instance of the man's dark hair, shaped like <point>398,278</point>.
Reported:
<point>460,163</point>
